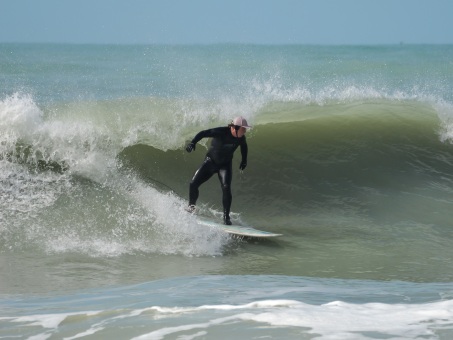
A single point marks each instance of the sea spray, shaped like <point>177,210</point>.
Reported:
<point>84,203</point>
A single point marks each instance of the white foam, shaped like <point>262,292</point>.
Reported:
<point>45,321</point>
<point>445,112</point>
<point>176,231</point>
<point>145,220</point>
<point>341,320</point>
<point>335,320</point>
<point>20,113</point>
<point>90,331</point>
<point>51,321</point>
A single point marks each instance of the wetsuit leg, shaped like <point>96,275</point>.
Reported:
<point>225,176</point>
<point>205,172</point>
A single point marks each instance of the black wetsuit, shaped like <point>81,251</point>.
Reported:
<point>218,160</point>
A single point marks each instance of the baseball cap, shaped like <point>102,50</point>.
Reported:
<point>241,121</point>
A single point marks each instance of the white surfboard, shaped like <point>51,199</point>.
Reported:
<point>237,230</point>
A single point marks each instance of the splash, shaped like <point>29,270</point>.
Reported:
<point>445,112</point>
<point>84,203</point>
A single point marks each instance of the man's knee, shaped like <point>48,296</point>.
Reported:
<point>226,188</point>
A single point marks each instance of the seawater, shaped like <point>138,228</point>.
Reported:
<point>350,158</point>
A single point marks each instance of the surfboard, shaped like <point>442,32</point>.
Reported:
<point>237,230</point>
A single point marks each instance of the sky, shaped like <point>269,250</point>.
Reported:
<point>320,22</point>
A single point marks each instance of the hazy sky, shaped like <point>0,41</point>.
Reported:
<point>233,21</point>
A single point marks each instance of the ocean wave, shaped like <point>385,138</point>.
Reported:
<point>332,154</point>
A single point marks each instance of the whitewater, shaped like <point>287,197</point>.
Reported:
<point>350,158</point>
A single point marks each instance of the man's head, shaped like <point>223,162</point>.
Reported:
<point>238,126</point>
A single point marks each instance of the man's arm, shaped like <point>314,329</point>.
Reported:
<point>200,135</point>
<point>244,153</point>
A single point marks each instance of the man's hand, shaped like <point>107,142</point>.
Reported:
<point>243,165</point>
<point>190,147</point>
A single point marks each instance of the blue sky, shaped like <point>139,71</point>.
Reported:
<point>230,21</point>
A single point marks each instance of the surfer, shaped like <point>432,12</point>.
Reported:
<point>225,140</point>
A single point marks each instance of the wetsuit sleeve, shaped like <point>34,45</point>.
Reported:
<point>204,134</point>
<point>200,135</point>
<point>244,150</point>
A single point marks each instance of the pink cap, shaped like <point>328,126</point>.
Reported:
<point>241,121</point>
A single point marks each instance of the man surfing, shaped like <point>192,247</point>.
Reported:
<point>225,141</point>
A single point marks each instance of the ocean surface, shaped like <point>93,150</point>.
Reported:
<point>350,158</point>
